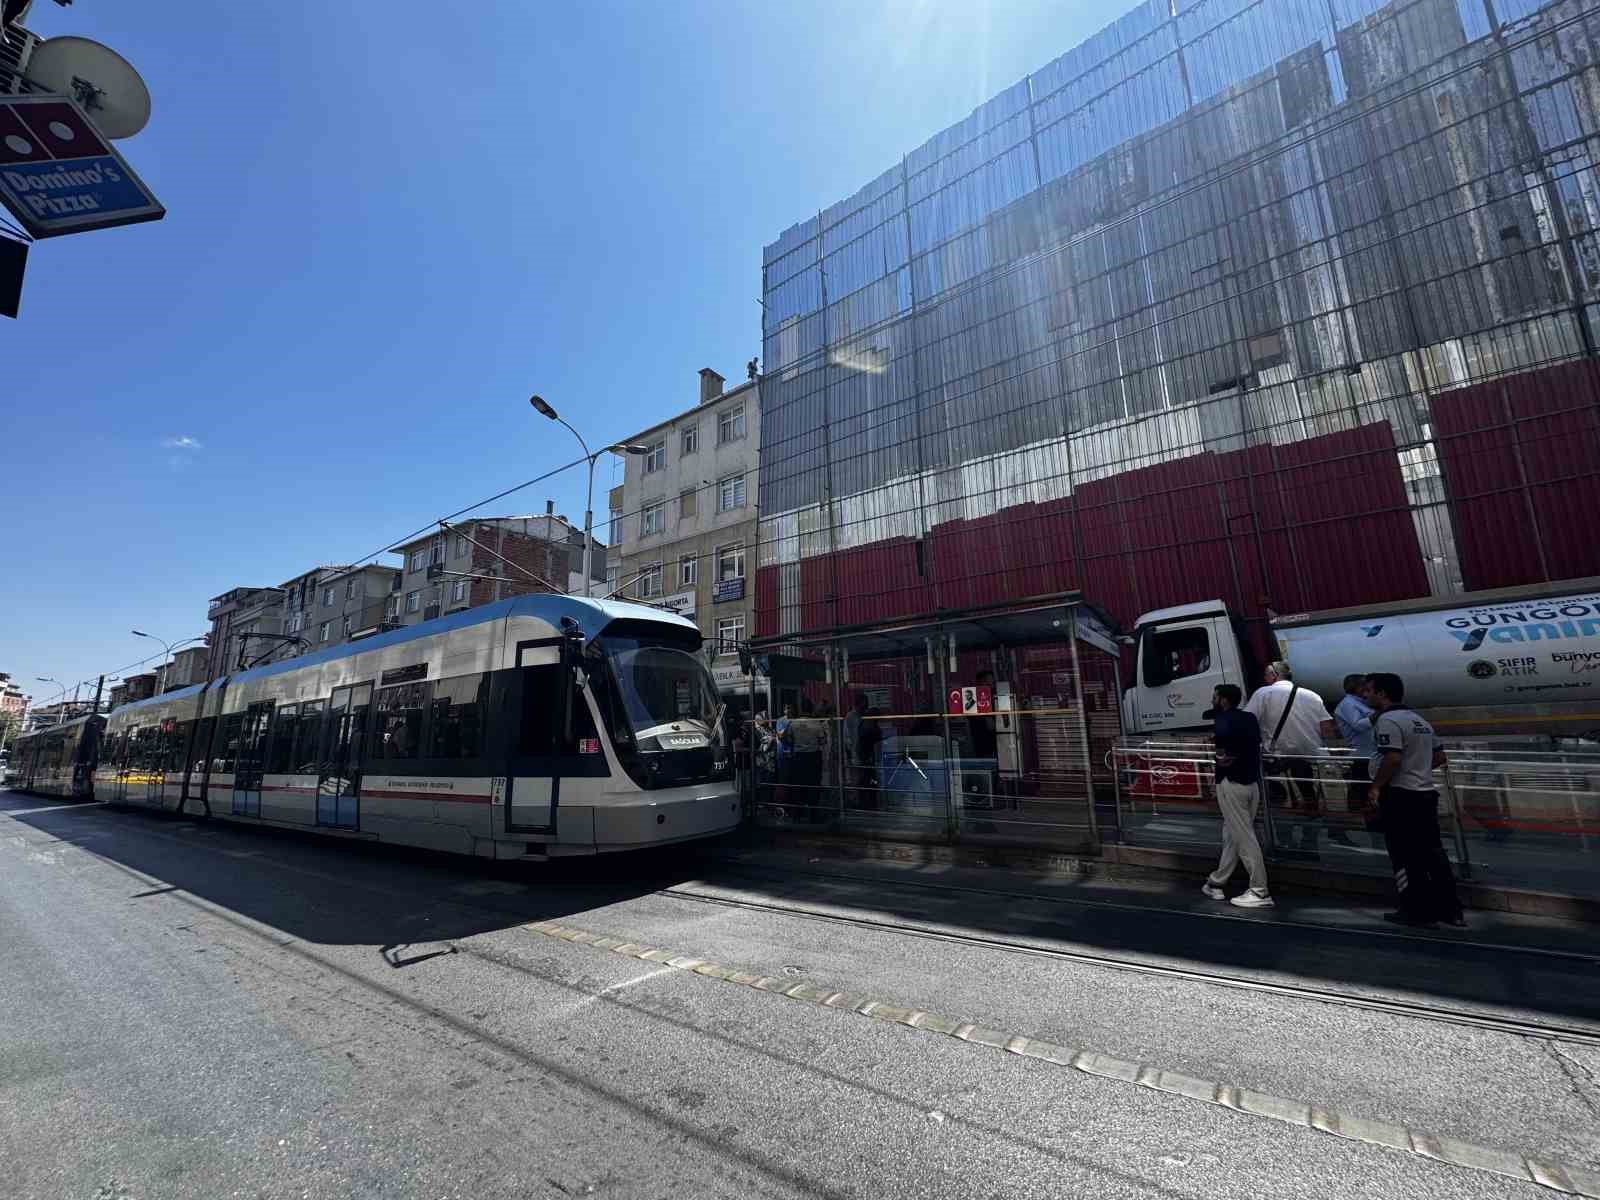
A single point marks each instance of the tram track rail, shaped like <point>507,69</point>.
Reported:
<point>1575,1034</point>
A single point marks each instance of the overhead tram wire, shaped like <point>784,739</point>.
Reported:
<point>1365,108</point>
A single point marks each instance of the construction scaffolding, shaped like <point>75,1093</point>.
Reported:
<point>1287,303</point>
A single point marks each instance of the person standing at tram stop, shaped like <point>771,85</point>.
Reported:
<point>1405,755</point>
<point>1354,717</point>
<point>1294,722</point>
<point>1238,751</point>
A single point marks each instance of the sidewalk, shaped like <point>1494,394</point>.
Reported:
<point>1343,885</point>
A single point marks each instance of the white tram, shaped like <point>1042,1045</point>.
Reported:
<point>57,760</point>
<point>539,725</point>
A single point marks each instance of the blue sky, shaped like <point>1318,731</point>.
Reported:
<point>387,225</point>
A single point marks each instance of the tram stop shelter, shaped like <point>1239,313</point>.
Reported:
<point>992,724</point>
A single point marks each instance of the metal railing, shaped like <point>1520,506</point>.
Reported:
<point>1517,816</point>
<point>1036,789</point>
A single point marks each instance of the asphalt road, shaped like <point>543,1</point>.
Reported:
<point>210,1011</point>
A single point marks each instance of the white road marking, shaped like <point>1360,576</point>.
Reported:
<point>617,987</point>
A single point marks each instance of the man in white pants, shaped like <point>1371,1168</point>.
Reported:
<point>1238,741</point>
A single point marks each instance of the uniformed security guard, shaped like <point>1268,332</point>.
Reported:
<point>1406,752</point>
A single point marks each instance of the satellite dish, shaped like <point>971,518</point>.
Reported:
<point>98,78</point>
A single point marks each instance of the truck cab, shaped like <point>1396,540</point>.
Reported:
<point>1180,655</point>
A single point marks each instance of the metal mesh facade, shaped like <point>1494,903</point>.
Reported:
<point>1287,302</point>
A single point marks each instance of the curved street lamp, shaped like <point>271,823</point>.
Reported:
<point>544,409</point>
<point>60,696</point>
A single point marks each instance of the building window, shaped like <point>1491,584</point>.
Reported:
<point>730,632</point>
<point>458,591</point>
<point>394,582</point>
<point>418,560</point>
<point>656,458</point>
<point>436,552</point>
<point>730,562</point>
<point>413,601</point>
<point>297,622</point>
<point>327,597</point>
<point>615,528</point>
<point>350,589</point>
<point>687,503</point>
<point>688,570</point>
<point>690,440</point>
<point>730,493</point>
<point>392,609</point>
<point>347,625</point>
<point>652,518</point>
<point>730,424</point>
<point>323,630</point>
<point>461,545</point>
<point>650,581</point>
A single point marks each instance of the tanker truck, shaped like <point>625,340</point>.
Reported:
<point>1512,662</point>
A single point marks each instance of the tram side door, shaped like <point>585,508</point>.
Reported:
<point>251,765</point>
<point>537,701</point>
<point>339,774</point>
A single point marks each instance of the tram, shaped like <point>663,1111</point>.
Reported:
<point>537,726</point>
<point>57,760</point>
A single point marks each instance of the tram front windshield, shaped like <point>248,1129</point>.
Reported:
<point>667,698</point>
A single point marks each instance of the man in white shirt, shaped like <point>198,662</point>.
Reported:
<point>1294,722</point>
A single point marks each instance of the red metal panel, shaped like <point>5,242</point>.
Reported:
<point>1519,456</point>
<point>766,602</point>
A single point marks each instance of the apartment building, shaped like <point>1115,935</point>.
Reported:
<point>188,667</point>
<point>332,604</point>
<point>13,707</point>
<point>490,558</point>
<point>684,520</point>
<point>235,616</point>
<point>133,687</point>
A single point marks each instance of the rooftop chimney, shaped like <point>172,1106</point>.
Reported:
<point>710,385</point>
<point>549,508</point>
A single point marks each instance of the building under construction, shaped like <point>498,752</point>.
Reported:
<point>1289,303</point>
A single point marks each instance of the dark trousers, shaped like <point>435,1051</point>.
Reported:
<point>1360,777</point>
<point>1422,875</point>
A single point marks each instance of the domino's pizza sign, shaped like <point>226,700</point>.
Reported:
<point>59,175</point>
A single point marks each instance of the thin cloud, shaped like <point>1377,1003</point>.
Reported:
<point>183,442</point>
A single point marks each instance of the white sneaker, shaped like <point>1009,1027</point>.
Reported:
<point>1252,899</point>
<point>1214,892</point>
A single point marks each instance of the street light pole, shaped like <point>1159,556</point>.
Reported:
<point>161,671</point>
<point>542,407</point>
<point>61,695</point>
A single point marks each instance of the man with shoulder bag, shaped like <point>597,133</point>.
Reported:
<point>1298,722</point>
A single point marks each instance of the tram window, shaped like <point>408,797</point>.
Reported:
<point>202,744</point>
<point>228,751</point>
<point>456,722</point>
<point>112,756</point>
<point>178,744</point>
<point>307,738</point>
<point>399,728</point>
<point>281,755</point>
<point>541,711</point>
